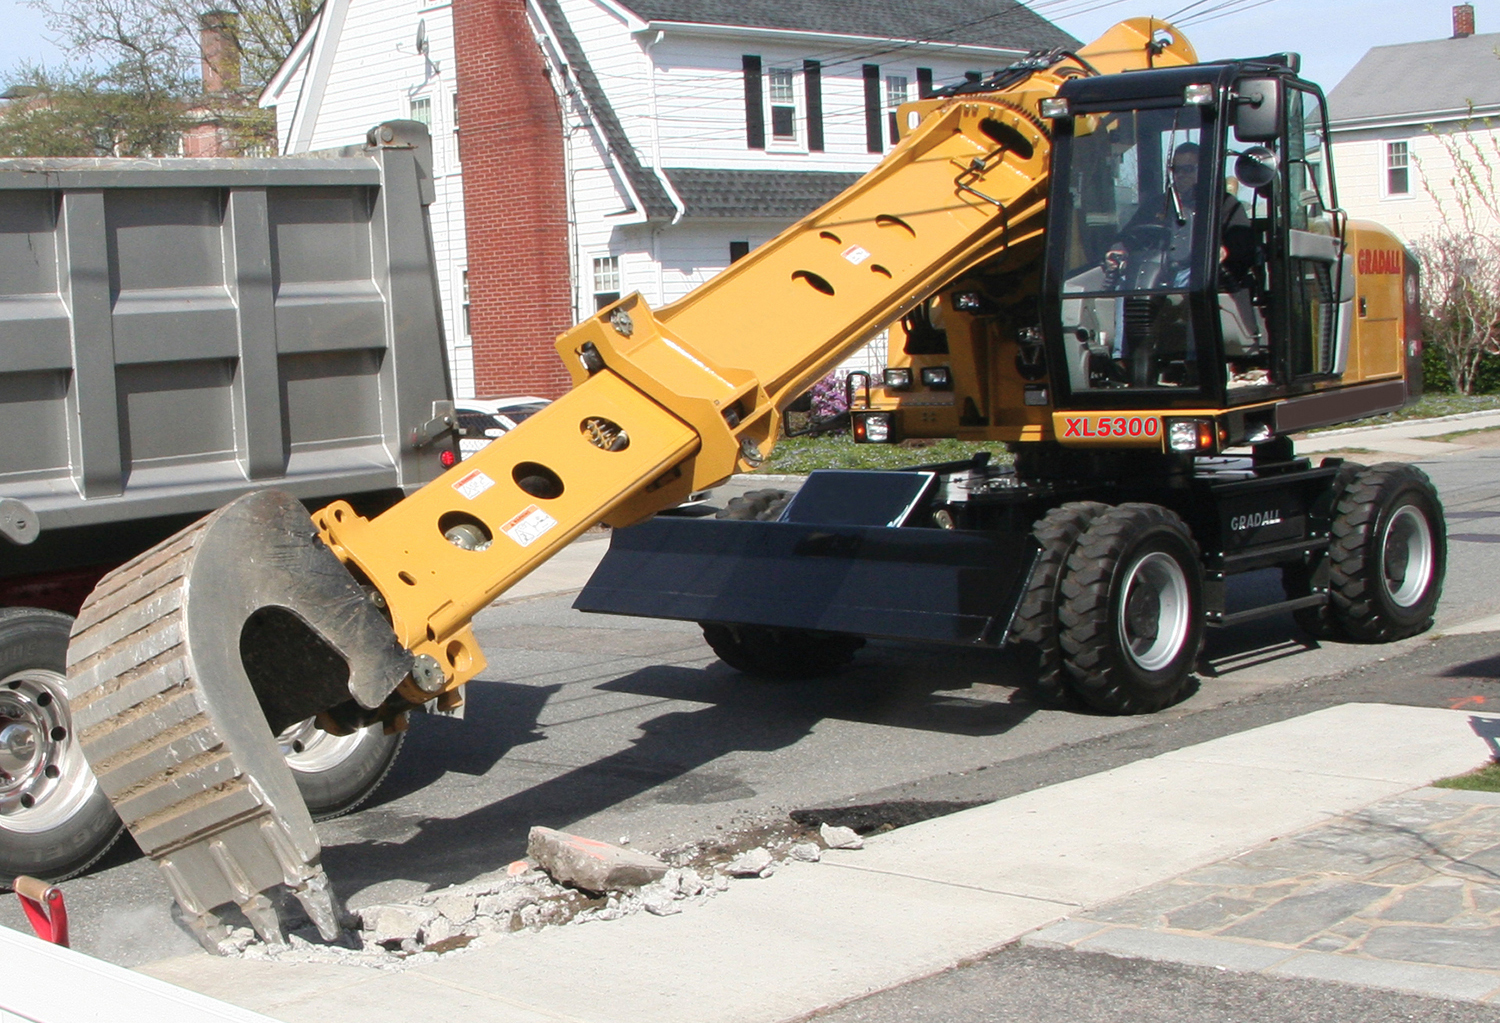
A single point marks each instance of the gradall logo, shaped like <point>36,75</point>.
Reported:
<point>1380,261</point>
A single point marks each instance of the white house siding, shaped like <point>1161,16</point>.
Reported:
<point>1360,163</point>
<point>680,96</point>
<point>376,73</point>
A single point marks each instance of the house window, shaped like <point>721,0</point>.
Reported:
<point>606,281</point>
<point>466,302</point>
<point>738,250</point>
<point>755,111</point>
<point>421,110</point>
<point>1397,175</point>
<point>783,88</point>
<point>895,95</point>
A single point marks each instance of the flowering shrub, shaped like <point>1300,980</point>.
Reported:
<point>829,398</point>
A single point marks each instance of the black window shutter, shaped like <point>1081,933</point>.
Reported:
<point>812,76</point>
<point>872,108</point>
<point>972,77</point>
<point>738,250</point>
<point>755,111</point>
<point>924,83</point>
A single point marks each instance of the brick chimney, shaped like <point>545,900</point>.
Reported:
<point>515,201</point>
<point>220,56</point>
<point>1463,21</point>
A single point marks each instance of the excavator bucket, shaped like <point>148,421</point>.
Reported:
<point>184,665</point>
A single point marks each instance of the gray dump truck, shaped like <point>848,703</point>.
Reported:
<point>174,334</point>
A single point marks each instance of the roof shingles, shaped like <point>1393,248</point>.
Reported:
<point>1005,24</point>
<point>753,194</point>
<point>1413,80</point>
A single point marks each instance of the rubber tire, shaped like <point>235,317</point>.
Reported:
<point>35,638</point>
<point>782,655</point>
<point>1035,629</point>
<point>1296,580</point>
<point>344,787</point>
<point>1359,600</point>
<point>1099,671</point>
<point>755,506</point>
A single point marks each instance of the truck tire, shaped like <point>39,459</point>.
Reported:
<point>1296,580</point>
<point>755,506</point>
<point>55,821</point>
<point>336,773</point>
<point>783,655</point>
<point>1388,556</point>
<point>1131,614</point>
<point>1035,629</point>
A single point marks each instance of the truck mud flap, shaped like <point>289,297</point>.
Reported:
<point>928,585</point>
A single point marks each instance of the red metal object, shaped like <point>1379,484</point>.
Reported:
<point>44,907</point>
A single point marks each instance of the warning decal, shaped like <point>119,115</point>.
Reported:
<point>856,254</point>
<point>528,525</point>
<point>474,484</point>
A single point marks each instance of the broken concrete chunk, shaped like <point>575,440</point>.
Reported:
<point>459,909</point>
<point>840,838</point>
<point>439,928</point>
<point>589,864</point>
<point>385,925</point>
<point>682,883</point>
<point>806,852</point>
<point>749,864</point>
<point>658,901</point>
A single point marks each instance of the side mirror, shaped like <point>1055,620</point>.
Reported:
<point>1258,110</point>
<point>1256,168</point>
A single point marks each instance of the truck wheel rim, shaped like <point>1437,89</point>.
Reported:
<point>1407,556</point>
<point>44,778</point>
<point>1153,614</point>
<point>311,750</point>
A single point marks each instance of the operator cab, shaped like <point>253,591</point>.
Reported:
<point>1199,247</point>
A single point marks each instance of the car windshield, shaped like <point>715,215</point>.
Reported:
<point>1130,193</point>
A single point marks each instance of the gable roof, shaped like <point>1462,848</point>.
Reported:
<point>754,194</point>
<point>1416,82</point>
<point>1004,24</point>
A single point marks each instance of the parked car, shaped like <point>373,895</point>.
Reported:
<point>481,420</point>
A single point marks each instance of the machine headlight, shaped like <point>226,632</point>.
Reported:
<point>1199,94</point>
<point>1054,106</point>
<point>897,378</point>
<point>1191,434</point>
<point>873,429</point>
<point>937,378</point>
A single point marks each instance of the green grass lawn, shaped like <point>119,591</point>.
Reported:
<point>1483,779</point>
<point>801,455</point>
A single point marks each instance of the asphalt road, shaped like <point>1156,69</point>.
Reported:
<point>619,728</point>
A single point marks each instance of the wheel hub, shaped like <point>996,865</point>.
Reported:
<point>1154,611</point>
<point>17,750</point>
<point>43,776</point>
<point>1407,560</point>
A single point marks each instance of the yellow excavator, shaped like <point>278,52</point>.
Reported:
<point>1038,234</point>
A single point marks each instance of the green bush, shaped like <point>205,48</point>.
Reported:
<point>1435,378</point>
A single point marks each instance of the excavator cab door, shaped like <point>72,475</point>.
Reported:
<point>1196,252</point>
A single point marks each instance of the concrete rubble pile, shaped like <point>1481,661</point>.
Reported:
<point>566,879</point>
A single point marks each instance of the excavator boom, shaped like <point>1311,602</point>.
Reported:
<point>256,616</point>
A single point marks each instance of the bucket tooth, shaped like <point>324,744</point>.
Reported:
<point>184,665</point>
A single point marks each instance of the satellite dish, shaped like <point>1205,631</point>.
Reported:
<point>422,36</point>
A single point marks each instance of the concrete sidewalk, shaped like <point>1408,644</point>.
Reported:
<point>1411,438</point>
<point>920,899</point>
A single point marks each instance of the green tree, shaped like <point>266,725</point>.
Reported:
<point>1460,259</point>
<point>135,84</point>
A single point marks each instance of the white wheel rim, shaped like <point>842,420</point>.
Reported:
<point>1406,556</point>
<point>311,750</point>
<point>1153,615</point>
<point>44,778</point>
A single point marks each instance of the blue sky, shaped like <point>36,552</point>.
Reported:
<point>1330,34</point>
